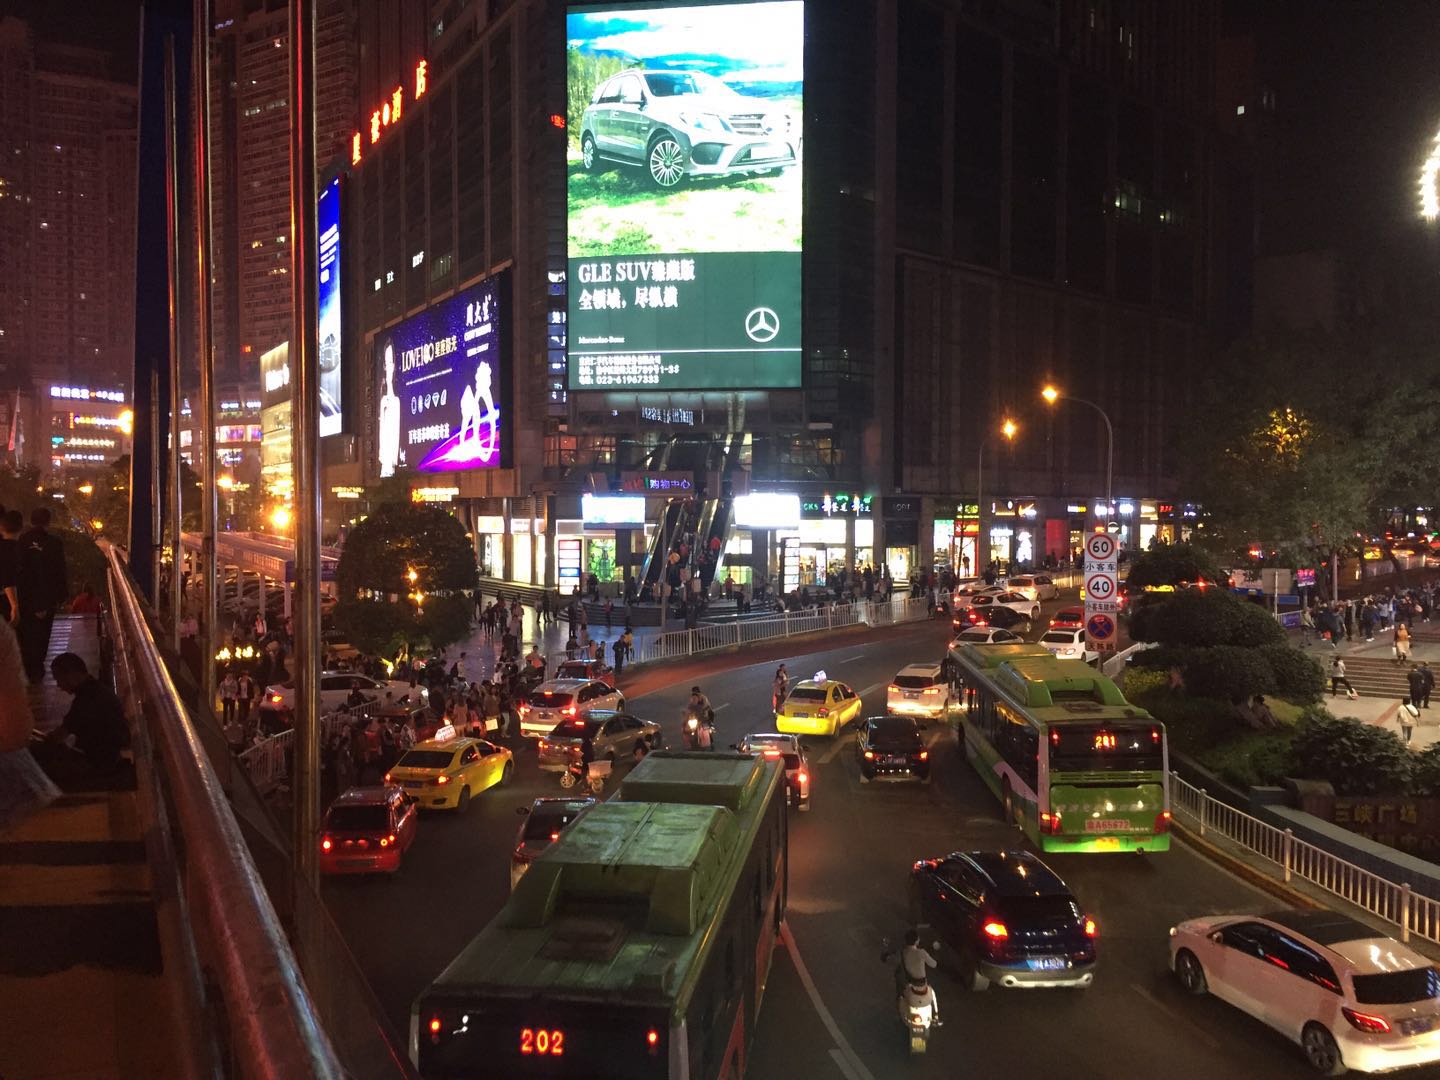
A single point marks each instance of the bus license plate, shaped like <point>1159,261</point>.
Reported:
<point>1107,825</point>
<point>1107,843</point>
<point>1046,963</point>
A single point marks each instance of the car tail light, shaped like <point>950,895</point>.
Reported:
<point>544,745</point>
<point>569,710</point>
<point>1375,1025</point>
<point>802,776</point>
<point>387,778</point>
<point>1162,821</point>
<point>435,1025</point>
<point>1090,927</point>
<point>326,844</point>
<point>520,855</point>
<point>869,755</point>
<point>386,841</point>
<point>770,753</point>
<point>441,779</point>
<point>924,755</point>
<point>893,689</point>
<point>1050,823</point>
<point>996,930</point>
<point>554,836</point>
<point>823,712</point>
<point>275,699</point>
<point>524,709</point>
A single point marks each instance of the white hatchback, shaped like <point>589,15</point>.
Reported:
<point>1016,602</point>
<point>986,635</point>
<point>1350,997</point>
<point>1035,586</point>
<point>337,686</point>
<point>1067,644</point>
<point>919,690</point>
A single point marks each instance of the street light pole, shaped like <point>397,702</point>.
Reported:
<point>1052,395</point>
<point>1008,429</point>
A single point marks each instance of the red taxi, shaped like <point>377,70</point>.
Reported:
<point>367,830</point>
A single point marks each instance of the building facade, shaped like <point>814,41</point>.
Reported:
<point>997,198</point>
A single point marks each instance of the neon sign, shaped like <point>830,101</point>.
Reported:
<point>389,112</point>
<point>542,1041</point>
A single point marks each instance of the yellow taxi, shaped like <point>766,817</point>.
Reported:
<point>818,706</point>
<point>444,772</point>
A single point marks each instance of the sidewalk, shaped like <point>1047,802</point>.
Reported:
<point>81,983</point>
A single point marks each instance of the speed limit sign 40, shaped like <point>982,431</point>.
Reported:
<point>1100,547</point>
<point>1100,587</point>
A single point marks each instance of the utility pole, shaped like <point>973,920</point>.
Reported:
<point>204,409</point>
<point>305,431</point>
<point>173,152</point>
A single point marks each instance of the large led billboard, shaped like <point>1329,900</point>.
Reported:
<point>327,299</point>
<point>444,385</point>
<point>684,194</point>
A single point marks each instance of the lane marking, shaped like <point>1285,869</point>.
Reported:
<point>1179,1018</point>
<point>857,656</point>
<point>843,1053</point>
<point>722,708</point>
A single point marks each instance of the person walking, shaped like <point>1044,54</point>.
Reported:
<point>1407,715</point>
<point>11,522</point>
<point>41,588</point>
<point>229,688</point>
<point>1416,681</point>
<point>1402,643</point>
<point>779,688</point>
<point>1427,685</point>
<point>1307,627</point>
<point>245,693</point>
<point>1338,679</point>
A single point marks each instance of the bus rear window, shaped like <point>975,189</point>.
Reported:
<point>549,1039</point>
<point>1106,747</point>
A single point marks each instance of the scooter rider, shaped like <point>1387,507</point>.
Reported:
<point>915,961</point>
<point>702,731</point>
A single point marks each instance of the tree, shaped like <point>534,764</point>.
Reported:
<point>1204,618</point>
<point>404,576</point>
<point>1173,564</point>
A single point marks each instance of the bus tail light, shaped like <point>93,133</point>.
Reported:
<point>652,1041</point>
<point>996,930</point>
<point>1090,927</point>
<point>802,777</point>
<point>1050,823</point>
<point>326,844</point>
<point>1162,821</point>
<point>1368,1022</point>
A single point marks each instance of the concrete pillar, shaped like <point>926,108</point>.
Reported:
<point>548,539</point>
<point>507,546</point>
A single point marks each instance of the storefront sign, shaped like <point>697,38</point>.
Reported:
<point>838,505</point>
<point>489,524</point>
<point>567,559</point>
<point>658,483</point>
<point>348,492</point>
<point>434,494</point>
<point>907,506</point>
<point>767,510</point>
<point>611,510</point>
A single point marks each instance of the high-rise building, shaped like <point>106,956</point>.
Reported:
<point>250,163</point>
<point>67,212</point>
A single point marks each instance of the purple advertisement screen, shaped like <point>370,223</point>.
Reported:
<point>443,400</point>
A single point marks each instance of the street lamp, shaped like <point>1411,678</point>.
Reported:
<point>1052,395</point>
<point>280,517</point>
<point>1009,429</point>
<point>86,488</point>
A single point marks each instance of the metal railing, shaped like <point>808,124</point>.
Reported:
<point>1296,858</point>
<point>243,991</point>
<point>710,636</point>
<point>268,762</point>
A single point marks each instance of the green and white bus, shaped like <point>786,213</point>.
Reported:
<point>636,946</point>
<point>1076,766</point>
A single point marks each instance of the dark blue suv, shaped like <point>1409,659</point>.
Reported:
<point>1005,917</point>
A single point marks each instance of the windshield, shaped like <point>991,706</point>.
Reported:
<point>893,728</point>
<point>549,699</point>
<point>366,819</point>
<point>915,682</point>
<point>807,693</point>
<point>676,83</point>
<point>1107,747</point>
<point>1397,987</point>
<point>425,759</point>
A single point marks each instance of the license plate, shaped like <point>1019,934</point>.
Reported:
<point>801,715</point>
<point>354,862</point>
<point>910,695</point>
<point>896,761</point>
<point>413,783</point>
<point>1046,963</point>
<point>1107,843</point>
<point>1107,825</point>
<point>1417,1025</point>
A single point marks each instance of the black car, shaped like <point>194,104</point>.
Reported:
<point>890,748</point>
<point>1005,917</point>
<point>995,615</point>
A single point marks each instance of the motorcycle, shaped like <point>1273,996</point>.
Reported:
<point>692,730</point>
<point>594,778</point>
<point>913,1002</point>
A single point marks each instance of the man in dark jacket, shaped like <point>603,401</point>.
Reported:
<point>84,751</point>
<point>42,589</point>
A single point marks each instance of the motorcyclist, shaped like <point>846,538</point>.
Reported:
<point>915,961</point>
<point>700,705</point>
<point>700,735</point>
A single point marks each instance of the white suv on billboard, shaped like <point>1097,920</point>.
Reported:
<point>685,123</point>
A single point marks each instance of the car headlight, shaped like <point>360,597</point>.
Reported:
<point>704,121</point>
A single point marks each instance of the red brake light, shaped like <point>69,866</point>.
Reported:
<point>554,836</point>
<point>435,1025</point>
<point>569,710</point>
<point>892,688</point>
<point>803,777</point>
<point>325,844</point>
<point>924,755</point>
<point>275,699</point>
<point>387,778</point>
<point>823,712</point>
<point>1375,1025</point>
<point>524,709</point>
<point>1090,927</point>
<point>996,931</point>
<point>1162,821</point>
<point>652,1037</point>
<point>442,779</point>
<point>1050,823</point>
<point>769,753</point>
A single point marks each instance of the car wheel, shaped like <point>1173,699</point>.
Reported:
<point>589,155</point>
<point>1190,973</point>
<point>507,772</point>
<point>463,803</point>
<point>610,757</point>
<point>665,162</point>
<point>1321,1051</point>
<point>863,778</point>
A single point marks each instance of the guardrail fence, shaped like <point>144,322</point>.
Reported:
<point>268,762</point>
<point>1296,858</point>
<point>682,643</point>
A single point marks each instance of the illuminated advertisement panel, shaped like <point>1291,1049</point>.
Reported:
<point>327,301</point>
<point>444,385</point>
<point>684,195</point>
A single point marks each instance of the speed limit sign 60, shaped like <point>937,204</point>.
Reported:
<point>1100,547</point>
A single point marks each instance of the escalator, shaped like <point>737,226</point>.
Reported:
<point>662,544</point>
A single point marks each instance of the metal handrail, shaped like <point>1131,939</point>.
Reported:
<point>273,1027</point>
<point>1394,902</point>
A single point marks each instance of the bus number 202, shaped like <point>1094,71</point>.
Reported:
<point>542,1041</point>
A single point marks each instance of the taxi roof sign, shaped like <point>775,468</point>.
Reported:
<point>444,733</point>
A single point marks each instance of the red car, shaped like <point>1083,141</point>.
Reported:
<point>594,670</point>
<point>1070,618</point>
<point>367,830</point>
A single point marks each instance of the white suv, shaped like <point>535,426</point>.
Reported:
<point>919,690</point>
<point>559,700</point>
<point>1068,645</point>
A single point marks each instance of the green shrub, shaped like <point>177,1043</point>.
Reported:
<point>1298,675</point>
<point>1191,723</point>
<point>1205,617</point>
<point>1140,681</point>
<point>1356,758</point>
<point>1425,771</point>
<point>1162,657</point>
<point>1173,564</point>
<point>1227,672</point>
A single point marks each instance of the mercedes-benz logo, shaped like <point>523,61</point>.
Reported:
<point>762,325</point>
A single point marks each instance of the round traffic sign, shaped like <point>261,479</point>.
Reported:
<point>1099,587</point>
<point>1100,627</point>
<point>1100,547</point>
